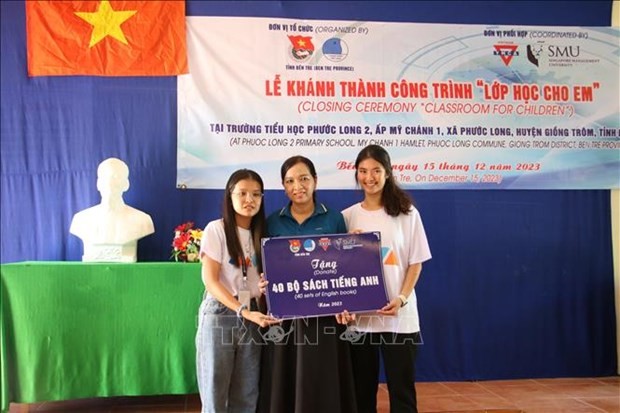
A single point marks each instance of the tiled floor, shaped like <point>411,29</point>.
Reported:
<point>589,395</point>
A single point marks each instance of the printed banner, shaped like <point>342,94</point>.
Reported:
<point>106,38</point>
<point>456,106</point>
<point>324,274</point>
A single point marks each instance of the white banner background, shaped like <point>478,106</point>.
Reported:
<point>457,106</point>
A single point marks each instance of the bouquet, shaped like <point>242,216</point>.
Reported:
<point>186,243</point>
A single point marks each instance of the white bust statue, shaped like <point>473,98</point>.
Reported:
<point>110,231</point>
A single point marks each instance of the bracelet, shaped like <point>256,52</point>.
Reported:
<point>240,310</point>
<point>403,299</point>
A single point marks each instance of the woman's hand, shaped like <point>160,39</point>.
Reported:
<point>259,318</point>
<point>391,308</point>
<point>345,317</point>
<point>262,285</point>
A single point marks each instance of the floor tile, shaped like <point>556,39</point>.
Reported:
<point>467,388</point>
<point>433,389</point>
<point>491,401</point>
<point>563,395</point>
<point>446,403</point>
<point>553,405</point>
<point>587,389</point>
<point>607,404</point>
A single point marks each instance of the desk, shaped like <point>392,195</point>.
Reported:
<point>74,330</point>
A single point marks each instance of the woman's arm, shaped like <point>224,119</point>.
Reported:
<point>411,278</point>
<point>211,279</point>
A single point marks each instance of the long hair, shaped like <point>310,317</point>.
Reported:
<point>395,201</point>
<point>257,224</point>
<point>294,160</point>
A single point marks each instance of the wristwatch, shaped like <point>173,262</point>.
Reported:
<point>403,299</point>
<point>240,310</point>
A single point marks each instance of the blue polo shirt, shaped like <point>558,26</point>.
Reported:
<point>322,221</point>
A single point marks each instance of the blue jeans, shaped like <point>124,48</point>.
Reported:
<point>227,359</point>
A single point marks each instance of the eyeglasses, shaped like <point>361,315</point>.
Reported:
<point>303,180</point>
<point>256,196</point>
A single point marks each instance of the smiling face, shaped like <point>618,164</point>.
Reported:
<point>246,198</point>
<point>299,184</point>
<point>371,176</point>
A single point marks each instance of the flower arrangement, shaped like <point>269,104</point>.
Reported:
<point>186,243</point>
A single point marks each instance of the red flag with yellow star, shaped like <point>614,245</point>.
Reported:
<point>106,38</point>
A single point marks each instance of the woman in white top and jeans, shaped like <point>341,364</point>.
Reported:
<point>394,330</point>
<point>227,341</point>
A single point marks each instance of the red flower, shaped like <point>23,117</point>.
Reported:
<point>186,242</point>
<point>181,241</point>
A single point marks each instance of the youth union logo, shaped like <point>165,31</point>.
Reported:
<point>335,49</point>
<point>294,245</point>
<point>302,48</point>
<point>309,245</point>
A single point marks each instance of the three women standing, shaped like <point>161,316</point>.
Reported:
<point>311,369</point>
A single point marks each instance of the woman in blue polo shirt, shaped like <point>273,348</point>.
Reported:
<point>310,369</point>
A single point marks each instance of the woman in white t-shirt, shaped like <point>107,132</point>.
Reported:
<point>228,341</point>
<point>394,330</point>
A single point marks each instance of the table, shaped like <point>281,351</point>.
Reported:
<point>73,330</point>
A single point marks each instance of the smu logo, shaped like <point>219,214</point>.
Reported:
<point>550,54</point>
<point>534,52</point>
<point>563,51</point>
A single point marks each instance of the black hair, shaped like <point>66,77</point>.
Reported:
<point>294,160</point>
<point>394,199</point>
<point>257,224</point>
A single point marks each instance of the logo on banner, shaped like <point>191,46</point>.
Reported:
<point>347,243</point>
<point>302,48</point>
<point>534,51</point>
<point>335,49</point>
<point>309,245</point>
<point>506,52</point>
<point>294,245</point>
<point>324,243</point>
<point>553,55</point>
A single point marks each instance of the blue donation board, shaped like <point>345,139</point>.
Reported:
<point>324,274</point>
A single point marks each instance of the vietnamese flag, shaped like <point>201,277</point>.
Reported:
<point>106,38</point>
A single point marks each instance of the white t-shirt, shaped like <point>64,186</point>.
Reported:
<point>403,243</point>
<point>213,244</point>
